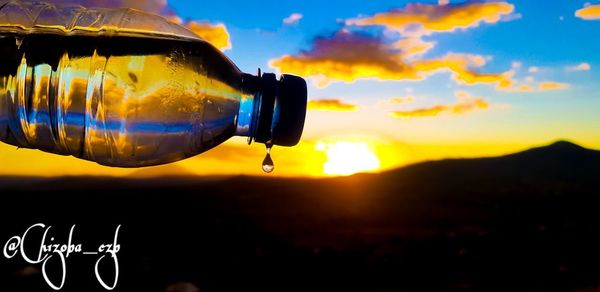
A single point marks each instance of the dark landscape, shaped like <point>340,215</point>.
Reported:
<point>523,222</point>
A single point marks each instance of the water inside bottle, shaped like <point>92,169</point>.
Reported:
<point>126,101</point>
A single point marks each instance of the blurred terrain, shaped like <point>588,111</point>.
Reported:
<point>523,222</point>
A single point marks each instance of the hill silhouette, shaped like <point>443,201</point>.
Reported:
<point>521,222</point>
<point>559,159</point>
<point>162,170</point>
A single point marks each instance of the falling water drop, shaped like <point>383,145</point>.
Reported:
<point>18,42</point>
<point>267,165</point>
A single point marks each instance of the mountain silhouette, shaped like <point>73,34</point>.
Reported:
<point>559,160</point>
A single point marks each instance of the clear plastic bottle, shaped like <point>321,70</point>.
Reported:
<point>129,89</point>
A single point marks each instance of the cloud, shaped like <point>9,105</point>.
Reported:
<point>580,67</point>
<point>551,85</point>
<point>421,112</point>
<point>462,68</point>
<point>395,101</point>
<point>531,86</point>
<point>332,105</point>
<point>402,99</point>
<point>524,88</point>
<point>413,46</point>
<point>466,103</point>
<point>533,69</point>
<point>590,12</point>
<point>350,56</point>
<point>425,19</point>
<point>216,34</point>
<point>347,56</point>
<point>293,19</point>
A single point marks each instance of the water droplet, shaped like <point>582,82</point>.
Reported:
<point>267,165</point>
<point>18,42</point>
<point>133,77</point>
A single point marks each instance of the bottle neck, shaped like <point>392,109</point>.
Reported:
<point>255,117</point>
<point>248,104</point>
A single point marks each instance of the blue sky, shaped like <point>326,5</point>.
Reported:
<point>538,37</point>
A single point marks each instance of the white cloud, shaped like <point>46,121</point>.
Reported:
<point>293,19</point>
<point>580,67</point>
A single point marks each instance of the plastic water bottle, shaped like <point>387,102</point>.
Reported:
<point>129,89</point>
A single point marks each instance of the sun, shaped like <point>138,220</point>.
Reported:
<point>348,157</point>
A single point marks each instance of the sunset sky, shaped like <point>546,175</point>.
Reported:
<point>392,82</point>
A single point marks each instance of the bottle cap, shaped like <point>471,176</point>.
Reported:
<point>290,111</point>
<point>281,110</point>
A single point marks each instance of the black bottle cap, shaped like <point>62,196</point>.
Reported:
<point>280,108</point>
<point>290,111</point>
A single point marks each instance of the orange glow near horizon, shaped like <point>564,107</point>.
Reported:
<point>347,157</point>
<point>329,155</point>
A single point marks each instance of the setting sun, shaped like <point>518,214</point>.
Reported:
<point>346,158</point>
